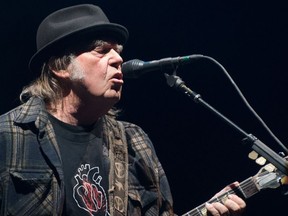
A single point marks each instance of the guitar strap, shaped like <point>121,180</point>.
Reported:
<point>118,176</point>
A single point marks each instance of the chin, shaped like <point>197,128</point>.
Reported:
<point>115,99</point>
<point>116,95</point>
<point>113,96</point>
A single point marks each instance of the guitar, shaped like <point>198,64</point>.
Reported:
<point>267,177</point>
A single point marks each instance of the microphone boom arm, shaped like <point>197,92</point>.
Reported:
<point>279,162</point>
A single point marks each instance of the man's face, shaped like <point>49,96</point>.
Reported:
<point>96,74</point>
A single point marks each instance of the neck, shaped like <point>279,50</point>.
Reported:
<point>72,110</point>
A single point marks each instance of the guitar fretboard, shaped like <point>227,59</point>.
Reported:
<point>246,189</point>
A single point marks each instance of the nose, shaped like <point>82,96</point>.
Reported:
<point>115,60</point>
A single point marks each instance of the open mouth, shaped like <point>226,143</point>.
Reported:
<point>117,85</point>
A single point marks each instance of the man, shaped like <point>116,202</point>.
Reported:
<point>62,151</point>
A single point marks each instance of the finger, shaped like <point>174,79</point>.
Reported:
<point>233,207</point>
<point>235,204</point>
<point>211,209</point>
<point>231,186</point>
<point>237,200</point>
<point>227,188</point>
<point>217,209</point>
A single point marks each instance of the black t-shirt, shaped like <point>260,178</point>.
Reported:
<point>85,166</point>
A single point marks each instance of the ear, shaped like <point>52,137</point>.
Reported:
<point>64,74</point>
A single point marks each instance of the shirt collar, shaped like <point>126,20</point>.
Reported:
<point>33,111</point>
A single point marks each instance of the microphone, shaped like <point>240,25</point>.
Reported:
<point>135,68</point>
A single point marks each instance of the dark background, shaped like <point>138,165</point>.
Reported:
<point>199,152</point>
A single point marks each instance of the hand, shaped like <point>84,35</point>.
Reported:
<point>233,206</point>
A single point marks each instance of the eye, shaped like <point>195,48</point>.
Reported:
<point>103,50</point>
<point>99,51</point>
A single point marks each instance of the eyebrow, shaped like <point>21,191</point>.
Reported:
<point>104,45</point>
<point>119,48</point>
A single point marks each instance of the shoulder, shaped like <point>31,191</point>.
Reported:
<point>134,132</point>
<point>24,114</point>
<point>133,129</point>
<point>9,117</point>
<point>138,139</point>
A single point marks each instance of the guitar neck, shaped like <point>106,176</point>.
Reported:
<point>246,189</point>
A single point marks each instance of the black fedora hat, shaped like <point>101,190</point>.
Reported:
<point>69,25</point>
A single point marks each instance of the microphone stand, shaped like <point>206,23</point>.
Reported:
<point>279,162</point>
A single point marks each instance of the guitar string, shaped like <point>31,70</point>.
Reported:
<point>243,186</point>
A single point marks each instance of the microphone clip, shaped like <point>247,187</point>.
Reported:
<point>177,83</point>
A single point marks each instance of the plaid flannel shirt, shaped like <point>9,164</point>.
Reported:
<point>31,173</point>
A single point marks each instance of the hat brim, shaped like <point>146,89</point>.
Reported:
<point>113,31</point>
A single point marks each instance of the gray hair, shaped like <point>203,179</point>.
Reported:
<point>47,86</point>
